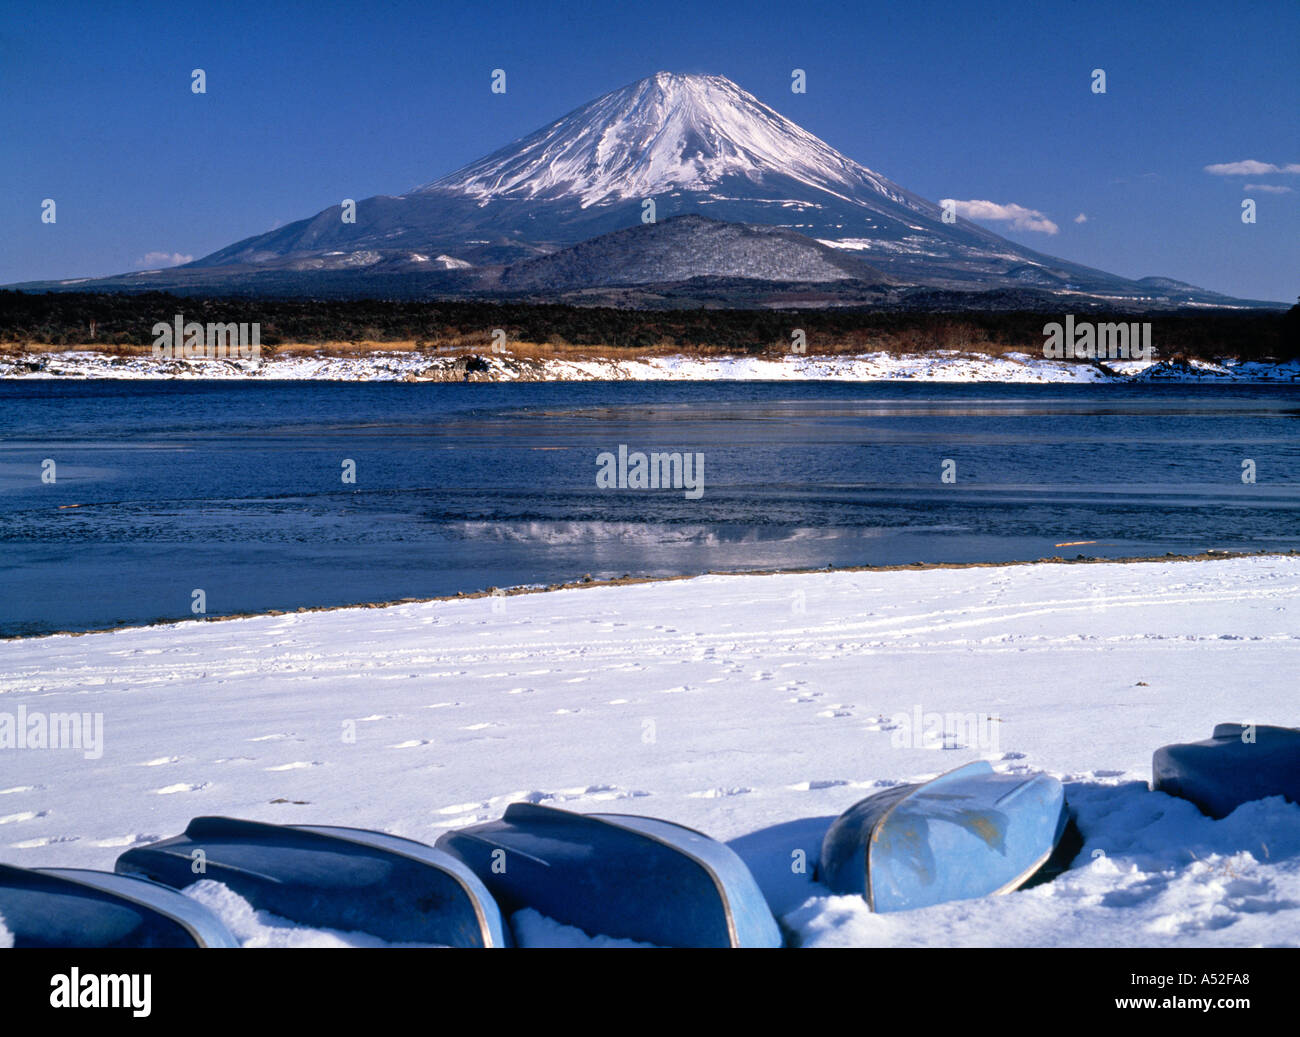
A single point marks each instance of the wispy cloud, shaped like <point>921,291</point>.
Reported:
<point>1268,188</point>
<point>1250,167</point>
<point>1081,218</point>
<point>153,260</point>
<point>1018,216</point>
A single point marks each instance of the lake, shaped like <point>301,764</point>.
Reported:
<point>167,487</point>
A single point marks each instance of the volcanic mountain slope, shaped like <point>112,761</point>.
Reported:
<point>686,247</point>
<point>692,144</point>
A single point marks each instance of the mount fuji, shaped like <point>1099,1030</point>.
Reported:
<point>695,145</point>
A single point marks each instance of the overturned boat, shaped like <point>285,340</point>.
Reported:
<point>619,875</point>
<point>349,879</point>
<point>74,908</point>
<point>968,833</point>
<point>1237,764</point>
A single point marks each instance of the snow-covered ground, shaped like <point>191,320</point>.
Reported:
<point>754,708</point>
<point>941,366</point>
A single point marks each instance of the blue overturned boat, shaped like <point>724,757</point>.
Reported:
<point>619,875</point>
<point>349,879</point>
<point>968,833</point>
<point>73,908</point>
<point>1237,764</point>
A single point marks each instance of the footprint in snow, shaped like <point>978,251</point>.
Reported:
<point>463,808</point>
<point>297,765</point>
<point>25,815</point>
<point>49,840</point>
<point>719,793</point>
<point>412,743</point>
<point>160,761</point>
<point>816,786</point>
<point>20,788</point>
<point>614,792</point>
<point>169,790</point>
<point>577,792</point>
<point>127,840</point>
<point>461,820</point>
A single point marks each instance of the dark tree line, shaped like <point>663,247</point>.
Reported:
<point>109,320</point>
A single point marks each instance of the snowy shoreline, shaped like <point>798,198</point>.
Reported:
<point>771,703</point>
<point>392,366</point>
<point>1213,555</point>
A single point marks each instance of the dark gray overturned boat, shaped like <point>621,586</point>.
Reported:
<point>968,833</point>
<point>1237,764</point>
<point>636,878</point>
<point>348,879</point>
<point>73,908</point>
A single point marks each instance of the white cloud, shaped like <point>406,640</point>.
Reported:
<point>1018,216</point>
<point>153,260</point>
<point>1267,188</point>
<point>1081,218</point>
<point>1250,167</point>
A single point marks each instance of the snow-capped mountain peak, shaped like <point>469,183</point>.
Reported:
<point>698,145</point>
<point>666,132</point>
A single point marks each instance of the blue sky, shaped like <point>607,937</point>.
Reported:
<point>309,103</point>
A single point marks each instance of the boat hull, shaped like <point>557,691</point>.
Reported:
<point>623,876</point>
<point>1227,770</point>
<point>968,833</point>
<point>72,908</point>
<point>348,879</point>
